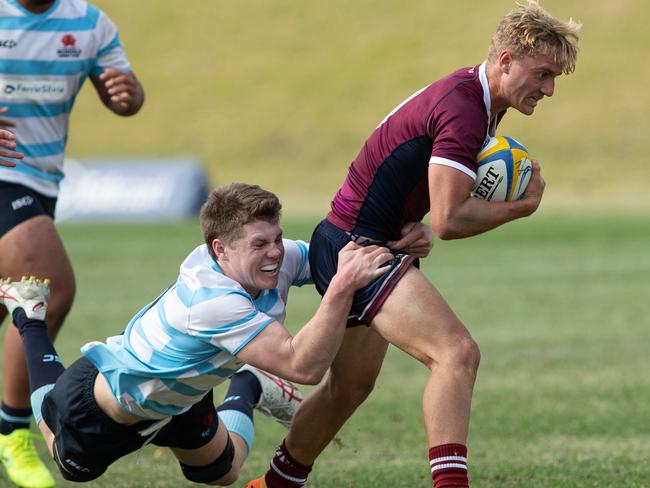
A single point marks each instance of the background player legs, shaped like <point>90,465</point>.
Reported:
<point>350,381</point>
<point>33,248</point>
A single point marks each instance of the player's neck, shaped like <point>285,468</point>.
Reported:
<point>36,6</point>
<point>498,103</point>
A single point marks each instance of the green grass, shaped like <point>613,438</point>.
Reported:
<point>558,304</point>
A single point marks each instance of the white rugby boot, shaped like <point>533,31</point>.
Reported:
<point>31,294</point>
<point>279,399</point>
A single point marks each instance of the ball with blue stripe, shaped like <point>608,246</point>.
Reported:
<point>504,170</point>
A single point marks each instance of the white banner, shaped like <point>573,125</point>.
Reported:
<point>131,190</point>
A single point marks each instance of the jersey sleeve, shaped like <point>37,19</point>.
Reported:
<point>110,53</point>
<point>458,128</point>
<point>228,321</point>
<point>296,262</point>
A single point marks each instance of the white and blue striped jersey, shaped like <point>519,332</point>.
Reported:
<point>184,343</point>
<point>44,60</point>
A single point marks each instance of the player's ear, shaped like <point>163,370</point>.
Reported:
<point>505,61</point>
<point>219,249</point>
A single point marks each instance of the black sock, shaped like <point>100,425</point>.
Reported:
<point>243,393</point>
<point>14,418</point>
<point>43,363</point>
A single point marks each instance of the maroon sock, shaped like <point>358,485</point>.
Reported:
<point>286,472</point>
<point>449,466</point>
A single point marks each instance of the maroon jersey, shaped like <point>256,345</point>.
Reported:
<point>445,123</point>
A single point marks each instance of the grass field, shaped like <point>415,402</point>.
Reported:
<point>558,303</point>
<point>283,94</point>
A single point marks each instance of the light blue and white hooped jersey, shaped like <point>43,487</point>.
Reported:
<point>184,343</point>
<point>44,60</point>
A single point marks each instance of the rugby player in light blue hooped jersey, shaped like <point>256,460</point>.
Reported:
<point>47,50</point>
<point>153,383</point>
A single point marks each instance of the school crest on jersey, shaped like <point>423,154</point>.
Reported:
<point>68,47</point>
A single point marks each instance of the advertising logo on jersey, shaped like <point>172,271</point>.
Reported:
<point>36,90</point>
<point>68,47</point>
<point>8,43</point>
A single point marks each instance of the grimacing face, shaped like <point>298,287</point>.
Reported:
<point>529,79</point>
<point>254,260</point>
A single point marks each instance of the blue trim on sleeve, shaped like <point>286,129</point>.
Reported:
<point>110,46</point>
<point>252,336</point>
<point>236,323</point>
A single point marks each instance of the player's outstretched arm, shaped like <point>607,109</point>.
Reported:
<point>456,214</point>
<point>121,92</point>
<point>306,357</point>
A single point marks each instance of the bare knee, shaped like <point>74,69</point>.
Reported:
<point>469,356</point>
<point>459,356</point>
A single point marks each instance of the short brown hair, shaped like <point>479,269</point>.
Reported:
<point>529,30</point>
<point>230,207</point>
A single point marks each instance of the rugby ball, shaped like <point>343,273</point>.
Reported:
<point>504,170</point>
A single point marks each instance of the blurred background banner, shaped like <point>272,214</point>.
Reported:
<point>131,189</point>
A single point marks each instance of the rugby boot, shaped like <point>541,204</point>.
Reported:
<point>279,400</point>
<point>21,461</point>
<point>30,294</point>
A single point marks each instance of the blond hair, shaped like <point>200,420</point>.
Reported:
<point>230,207</point>
<point>529,30</point>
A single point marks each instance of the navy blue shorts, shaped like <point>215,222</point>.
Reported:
<point>87,441</point>
<point>324,246</point>
<point>19,203</point>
